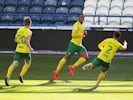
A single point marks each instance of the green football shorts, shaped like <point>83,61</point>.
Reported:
<point>72,48</point>
<point>98,62</point>
<point>19,56</point>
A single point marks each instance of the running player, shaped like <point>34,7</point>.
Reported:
<point>108,49</point>
<point>23,49</point>
<point>75,45</point>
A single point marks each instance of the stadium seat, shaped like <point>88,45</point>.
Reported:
<point>11,3</point>
<point>35,19</point>
<point>103,3</point>
<point>7,19</point>
<point>72,19</point>
<point>47,19</point>
<point>128,3</point>
<point>60,19</point>
<point>128,11</point>
<point>75,10</point>
<point>100,21</point>
<point>80,3</point>
<point>1,9</point>
<point>117,3</point>
<point>62,10</point>
<point>9,9</point>
<point>2,2</point>
<point>24,3</point>
<point>88,21</point>
<point>64,3</point>
<point>37,3</point>
<point>127,21</point>
<point>89,10</point>
<point>49,10</point>
<point>113,21</point>
<point>36,10</point>
<point>18,19</point>
<point>50,3</point>
<point>115,11</point>
<point>23,9</point>
<point>102,11</point>
<point>90,3</point>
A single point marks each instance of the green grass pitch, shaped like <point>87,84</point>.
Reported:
<point>38,83</point>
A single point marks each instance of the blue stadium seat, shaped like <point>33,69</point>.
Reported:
<point>11,3</point>
<point>37,3</point>
<point>75,10</point>
<point>47,19</point>
<point>1,9</point>
<point>35,19</point>
<point>9,9</point>
<point>49,10</point>
<point>23,9</point>
<point>50,3</point>
<point>60,19</point>
<point>64,3</point>
<point>72,19</point>
<point>7,19</point>
<point>2,2</point>
<point>24,3</point>
<point>62,10</point>
<point>18,19</point>
<point>36,10</point>
<point>80,3</point>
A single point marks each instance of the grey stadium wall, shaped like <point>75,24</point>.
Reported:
<point>57,40</point>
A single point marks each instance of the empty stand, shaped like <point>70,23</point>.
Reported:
<point>102,11</point>
<point>9,9</point>
<point>47,19</point>
<point>37,3</point>
<point>35,19</point>
<point>72,19</point>
<point>80,3</point>
<point>23,10</point>
<point>50,3</point>
<point>2,2</point>
<point>49,10</point>
<point>11,3</point>
<point>64,3</point>
<point>126,21</point>
<point>75,10</point>
<point>117,3</point>
<point>62,10</point>
<point>24,3</point>
<point>90,3</point>
<point>60,19</point>
<point>7,19</point>
<point>113,21</point>
<point>128,11</point>
<point>88,21</point>
<point>100,21</point>
<point>115,11</point>
<point>89,10</point>
<point>18,19</point>
<point>36,10</point>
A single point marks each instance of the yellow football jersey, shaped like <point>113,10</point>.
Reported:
<point>77,33</point>
<point>21,34</point>
<point>108,49</point>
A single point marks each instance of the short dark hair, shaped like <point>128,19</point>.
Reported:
<point>27,20</point>
<point>117,34</point>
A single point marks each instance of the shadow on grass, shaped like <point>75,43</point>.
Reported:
<point>57,87</point>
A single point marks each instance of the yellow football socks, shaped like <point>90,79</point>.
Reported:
<point>60,65</point>
<point>9,72</point>
<point>80,61</point>
<point>101,76</point>
<point>24,70</point>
